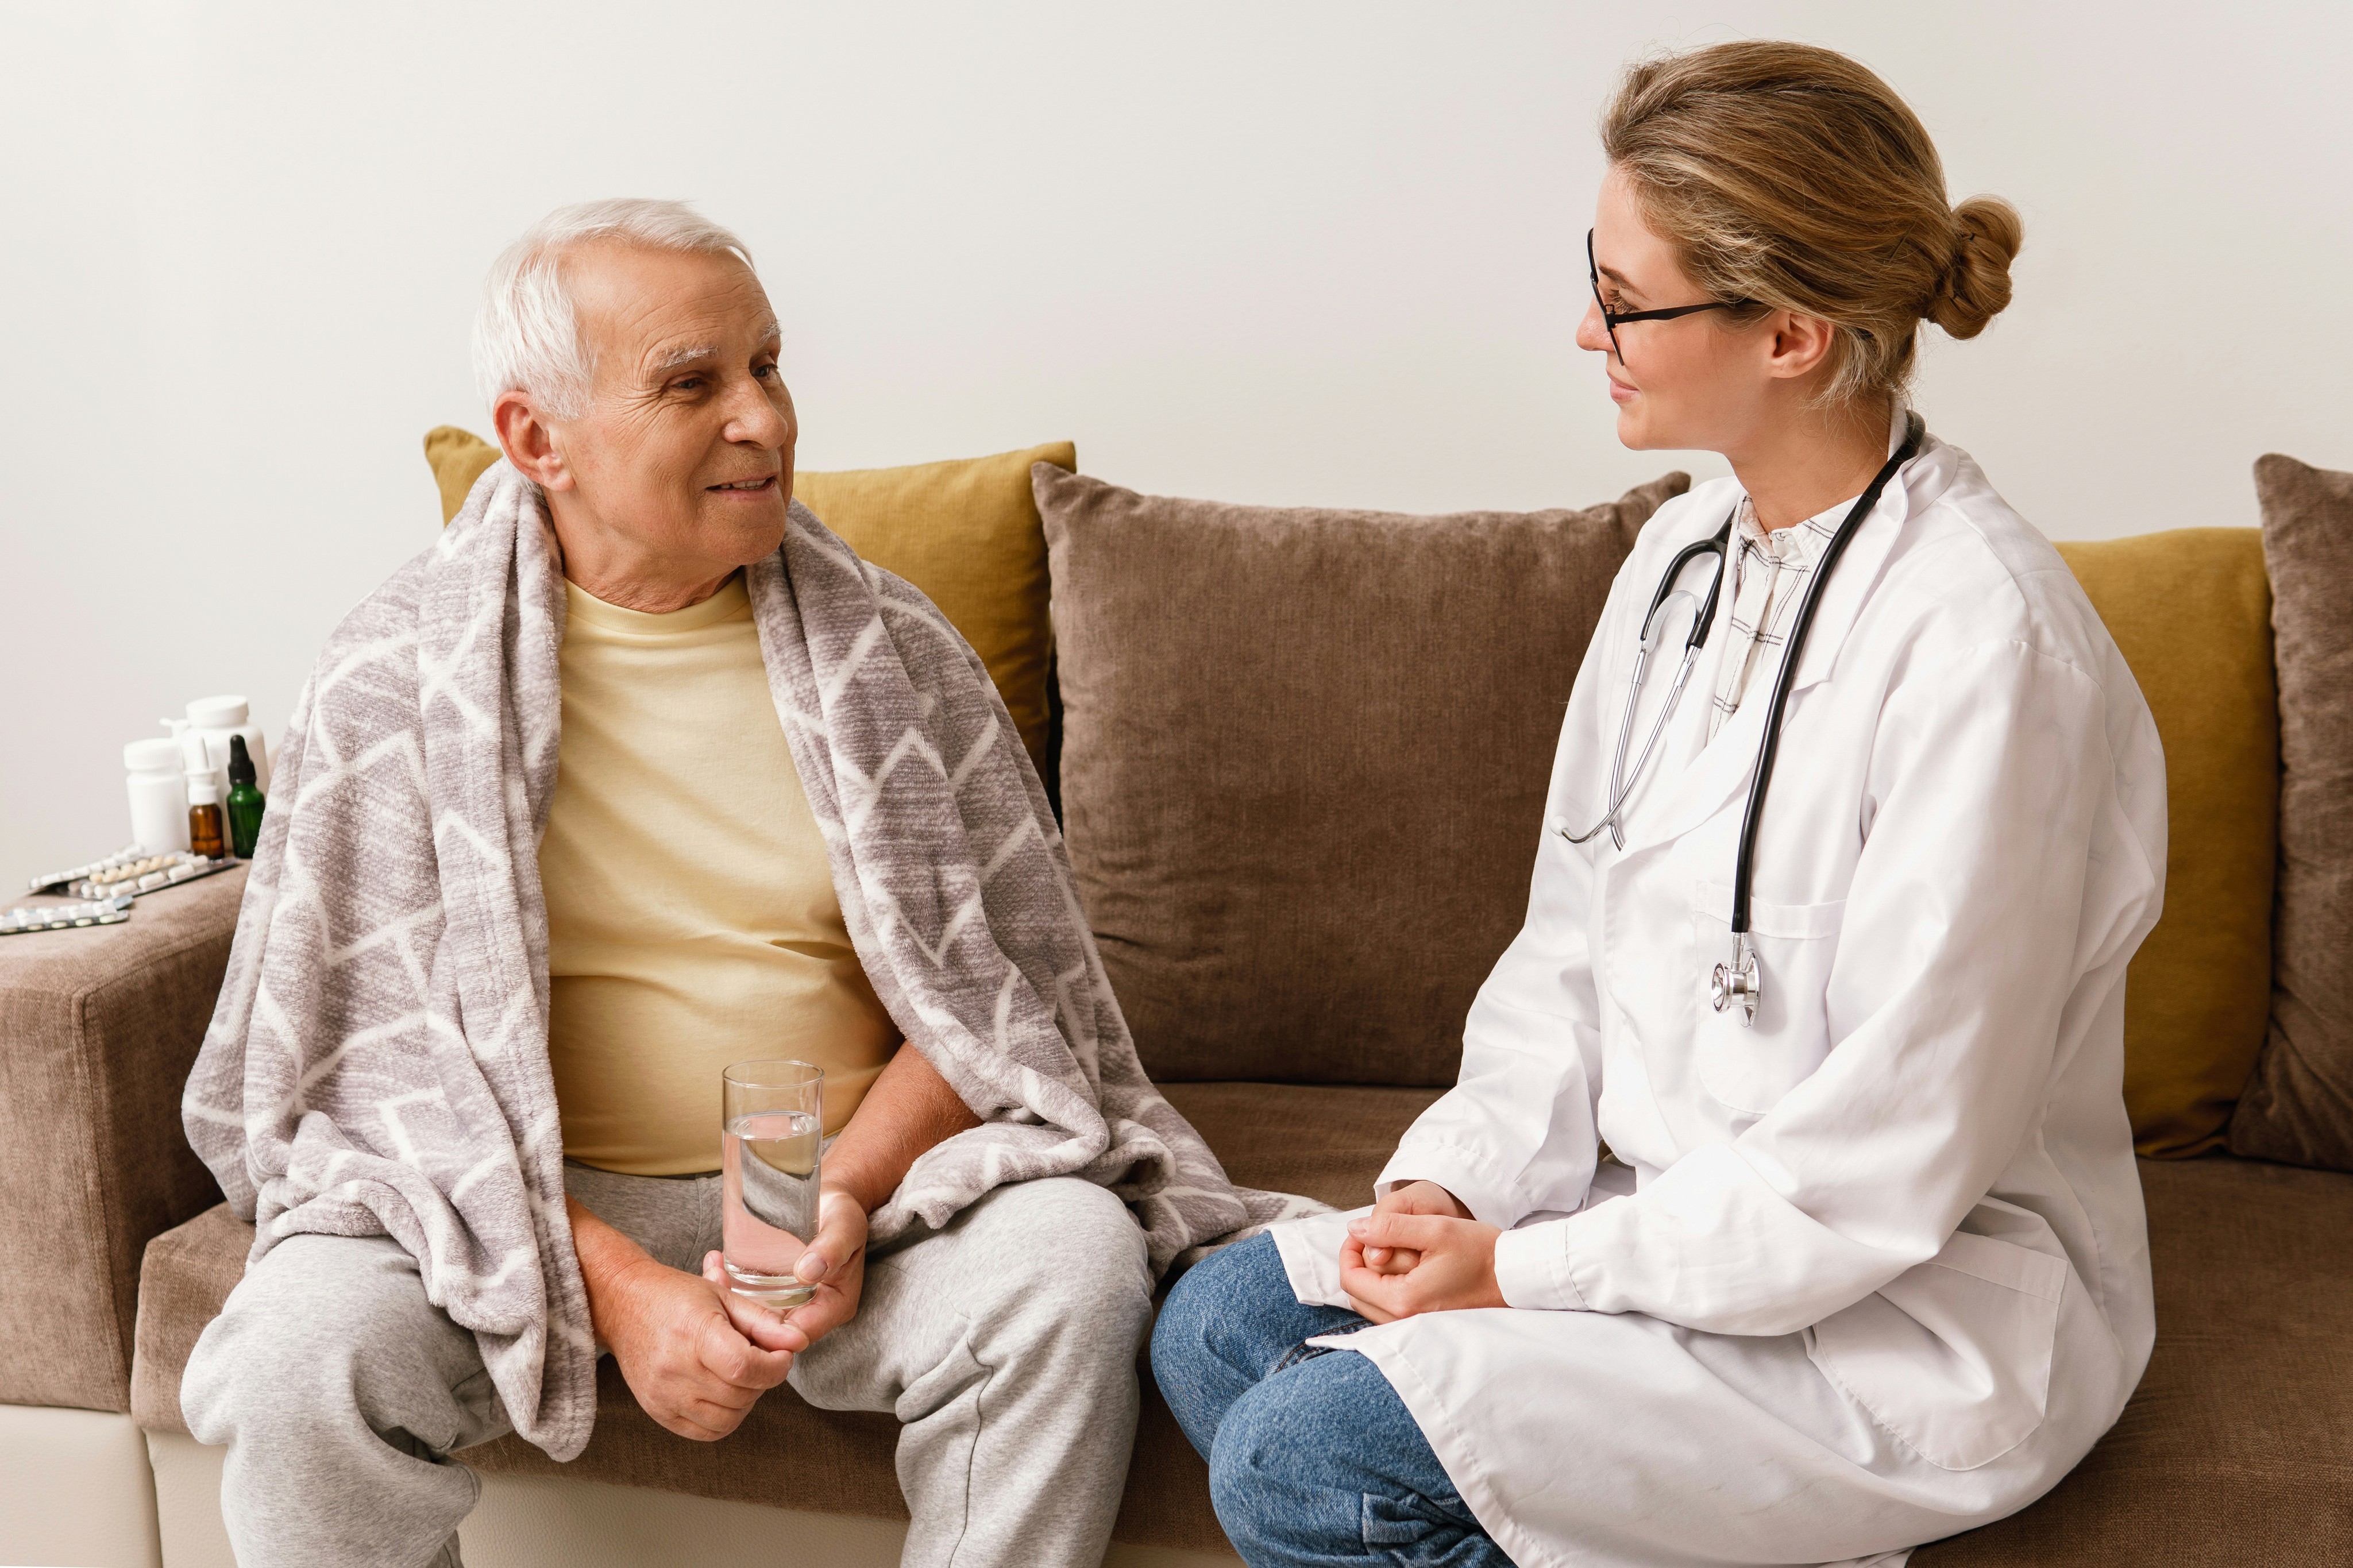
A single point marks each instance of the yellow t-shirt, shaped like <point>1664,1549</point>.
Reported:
<point>692,920</point>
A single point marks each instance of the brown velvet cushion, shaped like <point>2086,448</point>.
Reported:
<point>2238,1447</point>
<point>98,1029</point>
<point>1304,758</point>
<point>2298,1106</point>
<point>1326,1143</point>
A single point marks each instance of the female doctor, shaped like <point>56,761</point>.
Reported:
<point>1784,1211</point>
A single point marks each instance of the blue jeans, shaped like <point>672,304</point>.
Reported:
<point>1313,1460</point>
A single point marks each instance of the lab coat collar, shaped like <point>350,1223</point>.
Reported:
<point>1725,763</point>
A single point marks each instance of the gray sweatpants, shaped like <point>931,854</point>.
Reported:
<point>1004,1343</point>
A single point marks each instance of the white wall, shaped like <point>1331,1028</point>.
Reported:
<point>1324,252</point>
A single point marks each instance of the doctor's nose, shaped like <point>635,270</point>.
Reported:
<point>1592,332</point>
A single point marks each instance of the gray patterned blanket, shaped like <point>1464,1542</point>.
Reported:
<point>377,1063</point>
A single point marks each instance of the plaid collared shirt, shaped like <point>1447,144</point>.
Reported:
<point>1769,579</point>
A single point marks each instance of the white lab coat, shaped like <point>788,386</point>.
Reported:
<point>1875,1270</point>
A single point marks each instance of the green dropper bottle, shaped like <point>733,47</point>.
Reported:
<point>245,802</point>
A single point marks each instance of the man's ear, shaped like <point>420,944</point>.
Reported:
<point>529,442</point>
<point>1799,345</point>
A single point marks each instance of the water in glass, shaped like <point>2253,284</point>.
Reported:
<point>769,1179</point>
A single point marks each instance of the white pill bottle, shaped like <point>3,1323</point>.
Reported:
<point>159,795</point>
<point>218,718</point>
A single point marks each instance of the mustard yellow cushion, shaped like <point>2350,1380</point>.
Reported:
<point>2190,609</point>
<point>459,458</point>
<point>965,532</point>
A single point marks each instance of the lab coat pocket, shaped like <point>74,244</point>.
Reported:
<point>1953,1357</point>
<point>1749,1067</point>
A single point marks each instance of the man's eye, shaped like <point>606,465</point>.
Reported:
<point>764,370</point>
<point>689,384</point>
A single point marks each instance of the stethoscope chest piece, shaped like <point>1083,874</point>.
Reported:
<point>1737,984</point>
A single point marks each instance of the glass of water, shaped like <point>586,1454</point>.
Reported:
<point>772,1122</point>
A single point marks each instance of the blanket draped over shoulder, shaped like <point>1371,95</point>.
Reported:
<point>377,1063</point>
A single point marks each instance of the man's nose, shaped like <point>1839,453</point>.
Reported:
<point>752,416</point>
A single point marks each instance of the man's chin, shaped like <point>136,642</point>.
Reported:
<point>750,531</point>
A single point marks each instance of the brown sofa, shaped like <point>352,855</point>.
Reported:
<point>1302,761</point>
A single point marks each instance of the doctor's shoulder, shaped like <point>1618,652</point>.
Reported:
<point>1971,571</point>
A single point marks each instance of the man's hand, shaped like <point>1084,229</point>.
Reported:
<point>696,1356</point>
<point>835,1263</point>
<point>1411,1197</point>
<point>1454,1265</point>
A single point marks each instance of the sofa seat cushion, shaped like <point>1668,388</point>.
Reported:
<point>1326,1143</point>
<point>2238,1446</point>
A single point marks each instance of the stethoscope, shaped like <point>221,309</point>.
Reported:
<point>1736,983</point>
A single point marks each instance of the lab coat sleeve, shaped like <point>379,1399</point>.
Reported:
<point>2000,868</point>
<point>1515,1136</point>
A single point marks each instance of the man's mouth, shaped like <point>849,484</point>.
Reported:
<point>765,481</point>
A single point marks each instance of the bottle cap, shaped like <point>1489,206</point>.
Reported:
<point>219,712</point>
<point>202,790</point>
<point>159,755</point>
<point>241,762</point>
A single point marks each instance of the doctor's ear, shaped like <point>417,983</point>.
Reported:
<point>1798,344</point>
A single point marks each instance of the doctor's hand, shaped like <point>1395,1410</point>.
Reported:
<point>1454,1267</point>
<point>835,1262</point>
<point>1411,1197</point>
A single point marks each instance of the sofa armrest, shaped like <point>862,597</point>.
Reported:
<point>98,1029</point>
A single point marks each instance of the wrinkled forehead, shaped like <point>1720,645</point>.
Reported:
<point>645,312</point>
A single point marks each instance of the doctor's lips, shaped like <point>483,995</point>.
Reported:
<point>1619,391</point>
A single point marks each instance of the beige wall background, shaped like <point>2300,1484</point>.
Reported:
<point>1281,253</point>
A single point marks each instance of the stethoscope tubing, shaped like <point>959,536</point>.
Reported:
<point>1744,869</point>
<point>1745,863</point>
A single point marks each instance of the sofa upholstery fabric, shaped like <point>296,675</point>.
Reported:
<point>2191,611</point>
<point>2298,1106</point>
<point>1305,757</point>
<point>1326,1143</point>
<point>99,1028</point>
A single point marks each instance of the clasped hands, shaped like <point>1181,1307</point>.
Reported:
<point>1418,1251</point>
<point>697,1355</point>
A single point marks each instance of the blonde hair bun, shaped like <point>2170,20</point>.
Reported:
<point>1987,233</point>
<point>1794,177</point>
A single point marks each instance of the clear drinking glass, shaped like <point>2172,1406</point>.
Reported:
<point>772,1122</point>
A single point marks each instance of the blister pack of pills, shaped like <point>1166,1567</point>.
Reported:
<point>129,872</point>
<point>65,916</point>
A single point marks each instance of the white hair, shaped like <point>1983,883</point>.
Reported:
<point>527,336</point>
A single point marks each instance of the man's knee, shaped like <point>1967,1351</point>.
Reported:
<point>1067,1262</point>
<point>303,1337</point>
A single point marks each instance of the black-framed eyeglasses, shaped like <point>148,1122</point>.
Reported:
<point>1609,318</point>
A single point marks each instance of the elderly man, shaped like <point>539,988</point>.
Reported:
<point>635,773</point>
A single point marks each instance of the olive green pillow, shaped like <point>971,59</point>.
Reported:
<point>966,531</point>
<point>2191,610</point>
